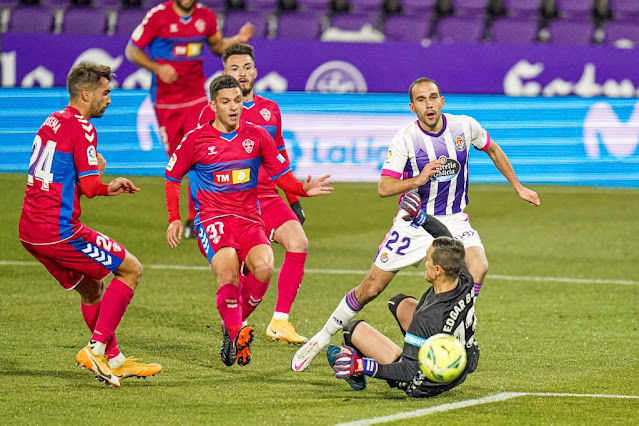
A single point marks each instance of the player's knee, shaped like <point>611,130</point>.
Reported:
<point>227,277</point>
<point>90,290</point>
<point>348,330</point>
<point>298,244</point>
<point>262,271</point>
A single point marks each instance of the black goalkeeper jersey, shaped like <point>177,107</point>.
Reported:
<point>452,312</point>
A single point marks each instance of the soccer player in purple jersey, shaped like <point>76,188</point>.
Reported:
<point>65,165</point>
<point>226,155</point>
<point>283,223</point>
<point>429,156</point>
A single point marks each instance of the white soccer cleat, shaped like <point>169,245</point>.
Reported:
<point>305,355</point>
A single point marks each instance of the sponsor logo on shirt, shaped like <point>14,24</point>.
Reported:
<point>266,114</point>
<point>212,150</point>
<point>92,157</point>
<point>449,171</point>
<point>248,145</point>
<point>460,143</point>
<point>190,49</point>
<point>232,176</point>
<point>281,158</point>
<point>389,157</point>
<point>172,162</point>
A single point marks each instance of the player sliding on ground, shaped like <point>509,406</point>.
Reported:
<point>226,155</point>
<point>64,165</point>
<point>428,156</point>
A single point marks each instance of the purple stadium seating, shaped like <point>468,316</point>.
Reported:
<point>514,30</point>
<point>84,20</point>
<point>264,6</point>
<point>128,20</point>
<point>452,29</point>
<point>366,6</point>
<point>522,8</point>
<point>107,4</point>
<point>233,21</point>
<point>320,6</point>
<point>8,4</point>
<point>625,10</point>
<point>621,30</point>
<point>563,31</point>
<point>575,9</point>
<point>299,26</point>
<point>30,19</point>
<point>216,5</point>
<point>56,4</point>
<point>418,6</point>
<point>407,28</point>
<point>470,8</point>
<point>352,21</point>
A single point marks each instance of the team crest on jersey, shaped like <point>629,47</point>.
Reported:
<point>449,171</point>
<point>266,114</point>
<point>172,162</point>
<point>200,25</point>
<point>92,157</point>
<point>460,143</point>
<point>248,145</point>
<point>384,257</point>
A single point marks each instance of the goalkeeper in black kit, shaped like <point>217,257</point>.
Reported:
<point>446,307</point>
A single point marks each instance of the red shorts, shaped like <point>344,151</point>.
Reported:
<point>87,253</point>
<point>229,231</point>
<point>177,122</point>
<point>275,212</point>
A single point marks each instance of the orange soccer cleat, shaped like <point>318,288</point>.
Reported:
<point>97,364</point>
<point>131,368</point>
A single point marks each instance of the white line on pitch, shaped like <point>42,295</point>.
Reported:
<point>363,272</point>
<point>468,403</point>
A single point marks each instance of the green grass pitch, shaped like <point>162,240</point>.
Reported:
<point>537,333</point>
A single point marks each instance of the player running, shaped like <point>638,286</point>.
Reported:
<point>175,33</point>
<point>283,223</point>
<point>430,156</point>
<point>64,165</point>
<point>226,155</point>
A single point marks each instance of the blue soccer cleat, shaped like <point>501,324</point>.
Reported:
<point>356,382</point>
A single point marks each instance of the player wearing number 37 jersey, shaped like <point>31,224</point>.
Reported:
<point>65,165</point>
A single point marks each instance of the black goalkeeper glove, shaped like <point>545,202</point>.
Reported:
<point>299,212</point>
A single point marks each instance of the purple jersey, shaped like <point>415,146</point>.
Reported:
<point>412,148</point>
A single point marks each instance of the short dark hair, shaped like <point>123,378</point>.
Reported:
<point>222,82</point>
<point>86,75</point>
<point>238,49</point>
<point>418,81</point>
<point>450,254</point>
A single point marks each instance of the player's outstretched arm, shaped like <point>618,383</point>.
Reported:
<point>218,44</point>
<point>317,186</point>
<point>411,204</point>
<point>501,161</point>
<point>101,164</point>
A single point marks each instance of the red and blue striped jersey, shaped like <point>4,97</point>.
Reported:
<point>178,41</point>
<point>64,150</point>
<point>226,168</point>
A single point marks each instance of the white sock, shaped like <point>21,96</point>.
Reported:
<point>117,361</point>
<point>97,348</point>
<point>280,316</point>
<point>340,316</point>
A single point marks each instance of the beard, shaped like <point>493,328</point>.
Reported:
<point>182,8</point>
<point>248,90</point>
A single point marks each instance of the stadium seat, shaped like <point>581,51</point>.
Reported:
<point>514,30</point>
<point>56,4</point>
<point>522,8</point>
<point>233,21</point>
<point>30,19</point>
<point>407,28</point>
<point>625,10</point>
<point>8,4</point>
<point>352,21</point>
<point>415,7</point>
<point>128,20</point>
<point>107,4</point>
<point>216,5</point>
<point>452,29</point>
<point>264,6</point>
<point>84,20</point>
<point>320,6</point>
<point>299,26</point>
<point>470,8</point>
<point>366,6</point>
<point>575,9</point>
<point>619,33</point>
<point>563,31</point>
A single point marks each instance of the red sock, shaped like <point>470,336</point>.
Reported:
<point>90,314</point>
<point>229,308</point>
<point>289,281</point>
<point>252,293</point>
<point>114,303</point>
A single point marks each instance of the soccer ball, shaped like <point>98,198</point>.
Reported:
<point>442,358</point>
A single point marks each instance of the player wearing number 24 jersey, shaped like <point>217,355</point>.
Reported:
<point>64,165</point>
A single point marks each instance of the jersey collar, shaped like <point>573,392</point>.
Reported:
<point>434,135</point>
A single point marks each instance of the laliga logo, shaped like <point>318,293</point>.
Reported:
<point>336,77</point>
<point>603,124</point>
